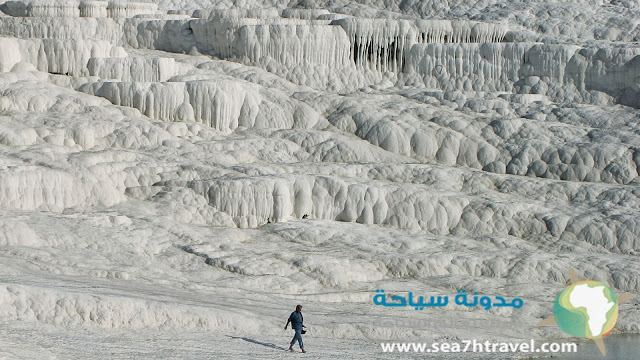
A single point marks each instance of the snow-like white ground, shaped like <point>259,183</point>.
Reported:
<point>174,179</point>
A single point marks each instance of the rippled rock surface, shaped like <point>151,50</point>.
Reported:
<point>191,170</point>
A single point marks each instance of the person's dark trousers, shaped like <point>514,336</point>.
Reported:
<point>297,336</point>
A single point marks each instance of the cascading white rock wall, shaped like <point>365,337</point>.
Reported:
<point>56,56</point>
<point>128,9</point>
<point>58,8</point>
<point>63,57</point>
<point>219,104</point>
<point>223,105</point>
<point>133,69</point>
<point>562,72</point>
<point>44,8</point>
<point>304,52</point>
<point>288,44</point>
<point>252,201</point>
<point>487,67</point>
<point>237,13</point>
<point>382,45</point>
<point>379,44</point>
<point>76,8</point>
<point>32,188</point>
<point>352,52</point>
<point>94,9</point>
<point>311,52</point>
<point>63,28</point>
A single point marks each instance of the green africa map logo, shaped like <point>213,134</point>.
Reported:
<point>586,309</point>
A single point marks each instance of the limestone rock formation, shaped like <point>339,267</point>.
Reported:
<point>191,167</point>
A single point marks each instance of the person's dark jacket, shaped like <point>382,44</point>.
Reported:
<point>296,320</point>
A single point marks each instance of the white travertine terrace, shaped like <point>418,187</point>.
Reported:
<point>127,9</point>
<point>561,72</point>
<point>57,56</point>
<point>79,8</point>
<point>182,170</point>
<point>133,69</point>
<point>93,9</point>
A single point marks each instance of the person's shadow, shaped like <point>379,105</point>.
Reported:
<point>253,341</point>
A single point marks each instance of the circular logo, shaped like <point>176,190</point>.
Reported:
<point>587,309</point>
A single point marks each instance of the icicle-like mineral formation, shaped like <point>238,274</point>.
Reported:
<point>382,45</point>
<point>379,44</point>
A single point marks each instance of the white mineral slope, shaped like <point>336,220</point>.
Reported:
<point>367,49</point>
<point>152,262</point>
<point>353,52</point>
<point>156,202</point>
<point>614,20</point>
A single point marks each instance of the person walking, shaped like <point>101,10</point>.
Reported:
<point>296,321</point>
